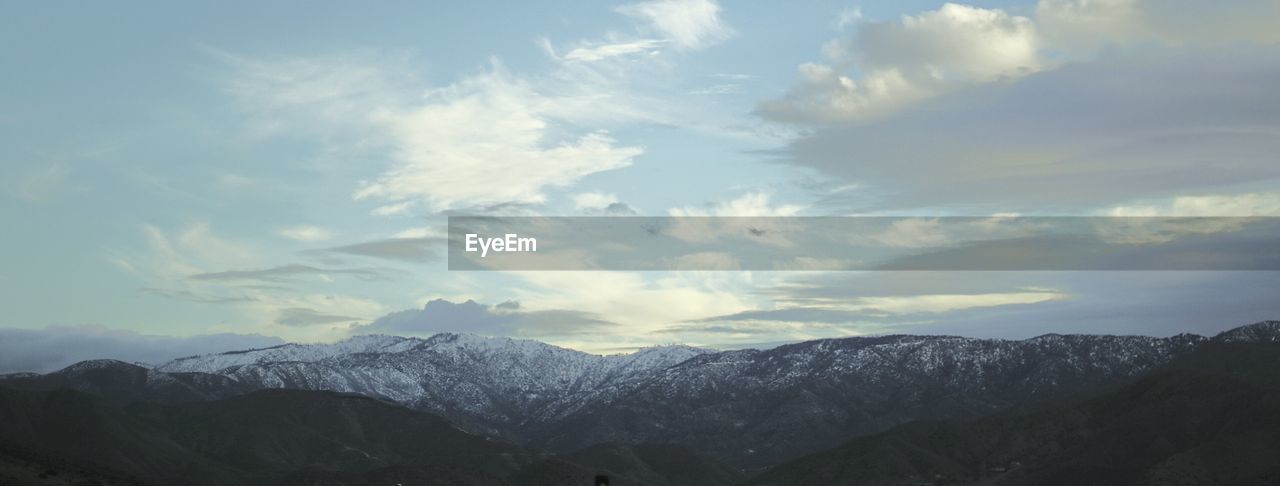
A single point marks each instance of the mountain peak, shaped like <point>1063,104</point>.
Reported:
<point>98,364</point>
<point>668,348</point>
<point>1265,331</point>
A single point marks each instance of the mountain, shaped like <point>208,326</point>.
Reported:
<point>122,381</point>
<point>263,437</point>
<point>279,436</point>
<point>657,464</point>
<point>1265,331</point>
<point>642,464</point>
<point>663,416</point>
<point>496,386</point>
<point>760,407</point>
<point>1210,417</point>
<point>752,408</point>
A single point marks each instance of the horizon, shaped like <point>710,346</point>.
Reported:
<point>769,346</point>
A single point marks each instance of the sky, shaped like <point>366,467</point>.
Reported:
<point>178,178</point>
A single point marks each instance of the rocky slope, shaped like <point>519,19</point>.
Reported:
<point>1211,417</point>
<point>750,407</point>
<point>497,386</point>
<point>120,381</point>
<point>760,407</point>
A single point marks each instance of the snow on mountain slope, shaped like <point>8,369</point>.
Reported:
<point>485,383</point>
<point>1265,331</point>
<point>796,398</point>
<point>212,363</point>
<point>758,407</point>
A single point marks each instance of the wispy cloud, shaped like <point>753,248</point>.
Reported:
<point>593,200</point>
<point>41,183</point>
<point>302,316</point>
<point>691,24</point>
<point>756,203</point>
<point>443,145</point>
<point>285,273</point>
<point>1209,205</point>
<point>197,296</point>
<point>407,248</point>
<point>306,233</point>
<point>598,52</point>
<point>296,301</point>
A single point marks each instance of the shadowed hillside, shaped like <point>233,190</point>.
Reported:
<point>1212,417</point>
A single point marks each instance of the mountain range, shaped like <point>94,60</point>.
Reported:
<point>752,408</point>
<point>1211,417</point>
<point>539,414</point>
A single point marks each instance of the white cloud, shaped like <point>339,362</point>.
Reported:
<point>848,16</point>
<point>191,265</point>
<point>492,138</point>
<point>599,52</point>
<point>1146,223</point>
<point>718,89</point>
<point>322,95</point>
<point>41,184</point>
<point>488,139</point>
<point>420,233</point>
<point>191,250</point>
<point>746,216</point>
<point>1132,125</point>
<point>397,209</point>
<point>484,141</point>
<point>798,309</point>
<point>593,201</point>
<point>749,204</point>
<point>306,233</point>
<point>885,66</point>
<point>1232,205</point>
<point>691,24</point>
<point>931,303</point>
<point>638,303</point>
<point>905,61</point>
<point>914,233</point>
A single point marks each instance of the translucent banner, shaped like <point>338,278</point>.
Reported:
<point>864,243</point>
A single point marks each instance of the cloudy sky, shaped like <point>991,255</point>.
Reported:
<point>196,177</point>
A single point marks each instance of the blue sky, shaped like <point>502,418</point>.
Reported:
<point>284,170</point>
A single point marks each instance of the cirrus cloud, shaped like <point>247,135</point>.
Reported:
<point>690,24</point>
<point>488,139</point>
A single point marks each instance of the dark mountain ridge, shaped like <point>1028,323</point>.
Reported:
<point>284,437</point>
<point>118,380</point>
<point>1211,417</point>
<point>751,408</point>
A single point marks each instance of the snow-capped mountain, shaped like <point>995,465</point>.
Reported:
<point>760,407</point>
<point>749,406</point>
<point>1265,331</point>
<point>495,385</point>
